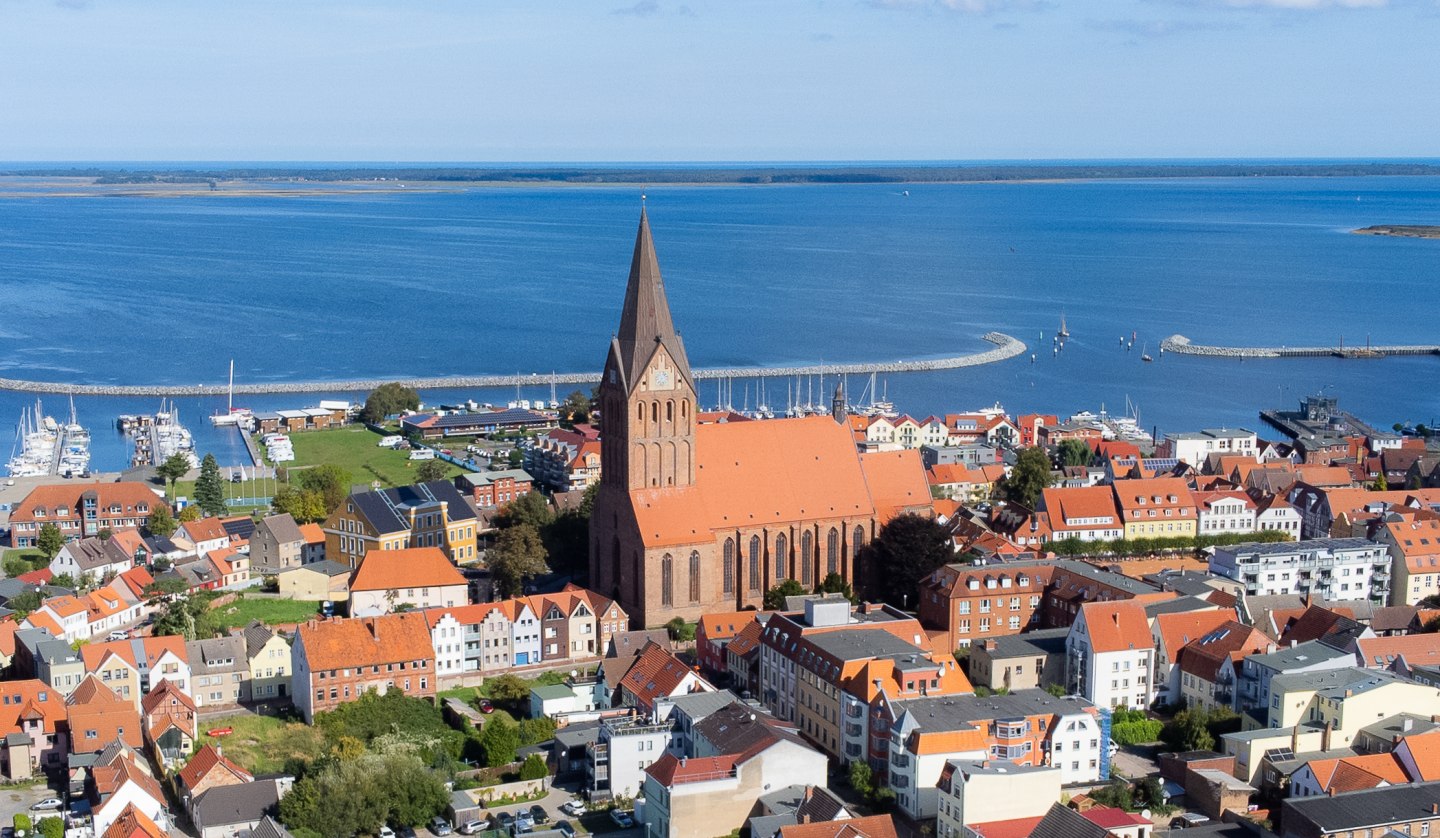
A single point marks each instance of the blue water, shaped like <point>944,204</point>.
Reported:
<point>500,280</point>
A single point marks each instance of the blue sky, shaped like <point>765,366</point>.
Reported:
<point>655,80</point>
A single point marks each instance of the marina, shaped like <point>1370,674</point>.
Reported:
<point>44,446</point>
<point>157,437</point>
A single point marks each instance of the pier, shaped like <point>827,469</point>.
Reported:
<point>1005,347</point>
<point>1181,345</point>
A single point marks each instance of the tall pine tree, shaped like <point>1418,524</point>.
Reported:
<point>209,490</point>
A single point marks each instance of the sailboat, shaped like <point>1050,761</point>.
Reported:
<point>232,415</point>
<point>1144,354</point>
<point>1064,332</point>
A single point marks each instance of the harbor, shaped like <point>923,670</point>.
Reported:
<point>44,446</point>
<point>157,437</point>
<point>1181,345</point>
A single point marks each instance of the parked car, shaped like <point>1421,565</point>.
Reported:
<point>524,822</point>
<point>486,706</point>
<point>564,828</point>
<point>47,803</point>
<point>407,832</point>
<point>1187,820</point>
<point>439,826</point>
<point>507,820</point>
<point>538,814</point>
<point>386,832</point>
<point>472,827</point>
<point>573,808</point>
<point>621,818</point>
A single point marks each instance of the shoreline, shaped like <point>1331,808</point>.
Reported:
<point>1401,231</point>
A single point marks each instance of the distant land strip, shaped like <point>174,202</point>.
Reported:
<point>1404,231</point>
<point>899,173</point>
<point>1005,347</point>
<point>1181,345</point>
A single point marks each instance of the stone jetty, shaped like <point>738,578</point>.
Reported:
<point>1005,347</point>
<point>1181,345</point>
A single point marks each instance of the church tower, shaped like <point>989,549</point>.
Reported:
<point>647,396</point>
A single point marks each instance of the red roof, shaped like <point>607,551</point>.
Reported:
<point>1112,818</point>
<point>1116,626</point>
<point>415,567</point>
<point>206,760</point>
<point>656,672</point>
<point>671,771</point>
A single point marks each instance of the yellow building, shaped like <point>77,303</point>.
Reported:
<point>316,581</point>
<point>1157,507</point>
<point>1415,553</point>
<point>269,657</point>
<point>1346,699</point>
<point>431,514</point>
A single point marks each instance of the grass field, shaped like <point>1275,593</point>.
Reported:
<point>267,611</point>
<point>355,450</point>
<point>23,560</point>
<point>262,744</point>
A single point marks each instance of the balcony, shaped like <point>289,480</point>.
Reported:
<point>852,730</point>
<point>855,710</point>
<point>600,753</point>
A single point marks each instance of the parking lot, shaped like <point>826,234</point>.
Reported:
<point>14,801</point>
<point>597,823</point>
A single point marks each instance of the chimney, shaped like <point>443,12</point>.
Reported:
<point>1292,643</point>
<point>1325,736</point>
<point>1435,808</point>
<point>1295,739</point>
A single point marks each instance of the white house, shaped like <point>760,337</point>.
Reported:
<point>1222,512</point>
<point>1110,655</point>
<point>421,577</point>
<point>1194,448</point>
<point>1334,568</point>
<point>1276,513</point>
<point>93,558</point>
<point>525,637</point>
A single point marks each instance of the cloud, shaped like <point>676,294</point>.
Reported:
<point>644,8</point>
<point>821,37</point>
<point>1290,5</point>
<point>686,11</point>
<point>1156,28</point>
<point>969,7</point>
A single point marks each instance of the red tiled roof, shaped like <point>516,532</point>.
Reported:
<point>671,771</point>
<point>133,823</point>
<point>655,672</point>
<point>1116,626</point>
<point>874,826</point>
<point>206,760</point>
<point>1380,652</point>
<point>1111,818</point>
<point>1176,630</point>
<point>1013,828</point>
<point>369,641</point>
<point>205,529</point>
<point>95,654</point>
<point>415,567</point>
<point>67,496</point>
<point>27,699</point>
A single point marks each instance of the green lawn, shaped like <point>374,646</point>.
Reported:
<point>262,744</point>
<point>22,560</point>
<point>267,611</point>
<point>355,450</point>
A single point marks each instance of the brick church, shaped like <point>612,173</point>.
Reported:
<point>695,517</point>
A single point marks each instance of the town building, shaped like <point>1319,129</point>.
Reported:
<point>1110,655</point>
<point>337,661</point>
<point>171,724</point>
<point>1158,507</point>
<point>132,667</point>
<point>1258,672</point>
<point>81,510</point>
<point>1033,660</point>
<point>971,603</point>
<point>94,559</point>
<point>1225,511</point>
<point>317,581</point>
<point>983,791</point>
<point>657,674</point>
<point>208,769</point>
<point>495,488</point>
<point>219,671</point>
<point>1089,513</point>
<point>1334,568</point>
<point>268,659</point>
<point>1210,665</point>
<point>476,423</point>
<point>277,545</point>
<point>1414,547</point>
<point>1345,700</point>
<point>693,518</point>
<point>431,514</point>
<point>565,460</point>
<point>33,736</point>
<point>1408,809</point>
<point>418,577</point>
<point>244,809</point>
<point>1197,447</point>
<point>120,782</point>
<point>96,716</point>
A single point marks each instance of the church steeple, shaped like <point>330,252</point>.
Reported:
<point>647,397</point>
<point>837,402</point>
<point>645,319</point>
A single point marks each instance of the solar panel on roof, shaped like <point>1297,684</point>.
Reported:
<point>1279,754</point>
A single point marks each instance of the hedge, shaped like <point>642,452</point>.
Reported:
<point>1136,733</point>
<point>1074,546</point>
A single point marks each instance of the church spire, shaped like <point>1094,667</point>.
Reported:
<point>645,319</point>
<point>837,403</point>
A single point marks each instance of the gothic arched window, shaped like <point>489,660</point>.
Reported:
<point>807,559</point>
<point>832,551</point>
<point>754,562</point>
<point>667,580</point>
<point>729,565</point>
<point>694,576</point>
<point>859,538</point>
<point>782,557</point>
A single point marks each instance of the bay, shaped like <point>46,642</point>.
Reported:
<point>529,279</point>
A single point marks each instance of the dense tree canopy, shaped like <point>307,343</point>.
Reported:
<point>431,470</point>
<point>518,554</point>
<point>209,488</point>
<point>775,597</point>
<point>329,481</point>
<point>388,400</point>
<point>49,540</point>
<point>175,467</point>
<point>1074,452</point>
<point>161,522</point>
<point>1028,478</point>
<point>908,549</point>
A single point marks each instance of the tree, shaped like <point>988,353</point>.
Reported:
<point>65,580</point>
<point>680,631</point>
<point>430,470</point>
<point>23,604</point>
<point>209,489</point>
<point>1074,452</point>
<point>161,522</point>
<point>509,689</point>
<point>775,597</point>
<point>862,778</point>
<point>1189,731</point>
<point>105,534</point>
<point>1380,484</point>
<point>498,742</point>
<point>533,768</point>
<point>388,400</point>
<point>49,540</point>
<point>537,730</point>
<point>1027,479</point>
<point>530,508</point>
<point>176,466</point>
<point>190,513</point>
<point>329,481</point>
<point>834,583</point>
<point>515,459</point>
<point>304,507</point>
<point>907,550</point>
<point>576,409</point>
<point>51,827</point>
<point>518,554</point>
<point>21,822</point>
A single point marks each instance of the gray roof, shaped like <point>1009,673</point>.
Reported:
<point>1115,580</point>
<point>737,728</point>
<point>1064,822</point>
<point>1281,548</point>
<point>959,711</point>
<point>1334,682</point>
<point>787,805</point>
<point>858,644</point>
<point>702,704</point>
<point>94,552</point>
<point>384,509</point>
<point>220,654</point>
<point>324,566</point>
<point>1179,605</point>
<point>56,652</point>
<point>1299,655</point>
<point>1390,727</point>
<point>483,478</point>
<point>1028,645</point>
<point>577,735</point>
<point>628,643</point>
<point>268,827</point>
<point>243,803</point>
<point>283,528</point>
<point>1239,829</point>
<point>1187,582</point>
<point>256,635</point>
<point>549,691</point>
<point>645,317</point>
<point>1365,809</point>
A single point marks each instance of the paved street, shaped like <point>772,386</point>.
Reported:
<point>1137,761</point>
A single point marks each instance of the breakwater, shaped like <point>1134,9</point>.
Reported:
<point>1181,345</point>
<point>1005,347</point>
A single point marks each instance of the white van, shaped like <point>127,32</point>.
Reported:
<point>390,441</point>
<point>422,454</point>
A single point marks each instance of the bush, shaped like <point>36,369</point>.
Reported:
<point>1135,733</point>
<point>51,827</point>
<point>680,631</point>
<point>22,822</point>
<point>533,768</point>
<point>535,731</point>
<point>1130,547</point>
